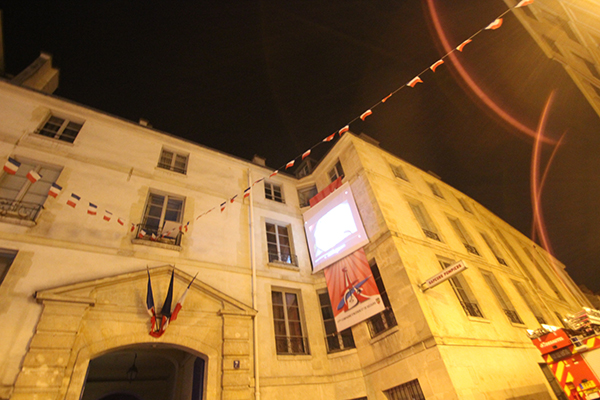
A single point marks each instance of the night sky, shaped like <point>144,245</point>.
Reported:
<point>274,78</point>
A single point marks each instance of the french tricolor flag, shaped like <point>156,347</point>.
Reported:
<point>274,173</point>
<point>12,166</point>
<point>107,215</point>
<point>329,138</point>
<point>290,164</point>
<point>132,227</point>
<point>494,25</point>
<point>524,3</point>
<point>247,192</point>
<point>344,130</point>
<point>92,209</point>
<point>179,304</point>
<point>73,200</point>
<point>142,233</point>
<point>436,64</point>
<point>223,204</point>
<point>121,221</point>
<point>386,97</point>
<point>54,190</point>
<point>33,176</point>
<point>150,305</point>
<point>306,154</point>
<point>414,81</point>
<point>364,115</point>
<point>233,198</point>
<point>463,44</point>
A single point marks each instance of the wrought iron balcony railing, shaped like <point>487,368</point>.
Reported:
<point>153,234</point>
<point>19,209</point>
<point>172,168</point>
<point>472,309</point>
<point>381,322</point>
<point>291,345</point>
<point>286,258</point>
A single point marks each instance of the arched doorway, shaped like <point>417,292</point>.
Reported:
<point>145,373</point>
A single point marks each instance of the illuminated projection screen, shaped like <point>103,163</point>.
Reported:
<point>333,228</point>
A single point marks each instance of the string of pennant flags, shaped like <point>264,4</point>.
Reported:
<point>12,165</point>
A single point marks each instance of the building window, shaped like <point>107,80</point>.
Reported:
<point>517,258</point>
<point>289,333</point>
<point>336,172</point>
<point>305,194</point>
<point>502,298</point>
<point>463,293</point>
<point>274,192</point>
<point>6,259</point>
<point>386,319</point>
<point>425,222</point>
<point>530,303</point>
<point>407,391</point>
<point>278,244</point>
<point>336,341</point>
<point>22,199</point>
<point>543,273</point>
<point>465,205</point>
<point>173,161</point>
<point>399,172</point>
<point>490,243</point>
<point>462,234</point>
<point>435,190</point>
<point>60,128</point>
<point>162,218</point>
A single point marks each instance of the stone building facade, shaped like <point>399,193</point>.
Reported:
<point>256,322</point>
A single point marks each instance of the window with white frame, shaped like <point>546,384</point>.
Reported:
<point>461,232</point>
<point>463,293</point>
<point>162,217</point>
<point>173,161</point>
<point>492,245</point>
<point>407,391</point>
<point>424,220</point>
<point>502,298</point>
<point>530,303</point>
<point>435,190</point>
<point>386,319</point>
<point>274,192</point>
<point>60,128</point>
<point>305,194</point>
<point>290,337</point>
<point>336,172</point>
<point>399,172</point>
<point>336,341</point>
<point>543,273</point>
<point>6,259</point>
<point>279,245</point>
<point>22,197</point>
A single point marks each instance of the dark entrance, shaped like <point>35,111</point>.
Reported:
<point>146,373</point>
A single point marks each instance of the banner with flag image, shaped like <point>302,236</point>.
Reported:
<point>352,290</point>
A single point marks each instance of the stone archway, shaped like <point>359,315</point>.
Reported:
<point>83,322</point>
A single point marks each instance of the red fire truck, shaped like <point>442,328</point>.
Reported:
<point>573,353</point>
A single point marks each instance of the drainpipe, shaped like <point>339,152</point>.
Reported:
<point>254,292</point>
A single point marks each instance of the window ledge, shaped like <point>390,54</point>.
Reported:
<point>294,357</point>
<point>17,221</point>
<point>384,334</point>
<point>45,140</point>
<point>342,353</point>
<point>477,319</point>
<point>282,265</point>
<point>169,172</point>
<point>156,244</point>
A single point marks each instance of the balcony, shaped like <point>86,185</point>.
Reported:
<point>147,234</point>
<point>21,210</point>
<point>472,309</point>
<point>285,258</point>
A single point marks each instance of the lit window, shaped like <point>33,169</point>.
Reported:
<point>463,235</point>
<point>407,391</point>
<point>274,192</point>
<point>22,199</point>
<point>490,243</point>
<point>336,341</point>
<point>435,190</point>
<point>424,221</point>
<point>289,332</point>
<point>530,303</point>
<point>336,172</point>
<point>173,161</point>
<point>60,128</point>
<point>386,319</point>
<point>502,298</point>
<point>465,205</point>
<point>162,218</point>
<point>399,172</point>
<point>463,293</point>
<point>305,194</point>
<point>6,259</point>
<point>278,244</point>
